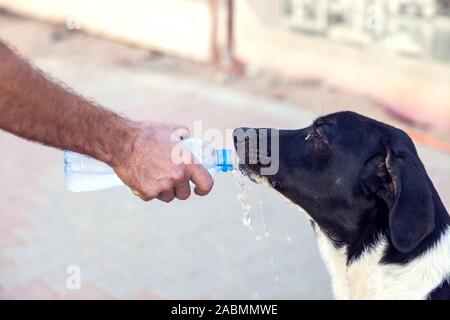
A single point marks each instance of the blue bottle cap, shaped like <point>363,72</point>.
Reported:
<point>225,160</point>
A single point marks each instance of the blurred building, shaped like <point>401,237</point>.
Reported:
<point>414,28</point>
<point>396,51</point>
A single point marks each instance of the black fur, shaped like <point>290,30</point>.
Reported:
<point>358,179</point>
<point>442,292</point>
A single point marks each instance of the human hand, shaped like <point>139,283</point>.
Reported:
<point>146,166</point>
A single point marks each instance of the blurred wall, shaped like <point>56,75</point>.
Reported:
<point>397,51</point>
<point>180,27</point>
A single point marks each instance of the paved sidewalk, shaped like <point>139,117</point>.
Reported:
<point>130,249</point>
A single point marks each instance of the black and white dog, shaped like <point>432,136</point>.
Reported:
<point>382,229</point>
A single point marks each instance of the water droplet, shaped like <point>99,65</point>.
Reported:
<point>288,238</point>
<point>254,296</point>
<point>261,212</point>
<point>247,220</point>
<point>272,260</point>
<point>258,238</point>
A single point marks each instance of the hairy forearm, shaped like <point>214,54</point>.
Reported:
<point>36,108</point>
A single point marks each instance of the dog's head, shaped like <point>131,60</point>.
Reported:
<point>349,173</point>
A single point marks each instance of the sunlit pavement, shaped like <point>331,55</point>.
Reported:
<point>124,247</point>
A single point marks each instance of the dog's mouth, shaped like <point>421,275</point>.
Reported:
<point>247,153</point>
<point>260,179</point>
<point>245,171</point>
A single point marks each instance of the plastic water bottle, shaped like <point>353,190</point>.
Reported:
<point>84,173</point>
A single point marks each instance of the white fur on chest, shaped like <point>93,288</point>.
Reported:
<point>366,278</point>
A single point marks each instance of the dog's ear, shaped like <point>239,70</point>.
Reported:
<point>399,179</point>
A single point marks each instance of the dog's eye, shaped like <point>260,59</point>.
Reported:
<point>319,141</point>
<point>315,133</point>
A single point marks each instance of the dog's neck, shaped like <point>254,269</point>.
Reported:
<point>374,223</point>
<point>371,268</point>
<point>368,278</point>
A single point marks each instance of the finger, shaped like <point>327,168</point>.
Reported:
<point>166,196</point>
<point>183,190</point>
<point>146,196</point>
<point>137,193</point>
<point>146,193</point>
<point>202,179</point>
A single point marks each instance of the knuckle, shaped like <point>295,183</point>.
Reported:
<point>177,176</point>
<point>165,185</point>
<point>147,197</point>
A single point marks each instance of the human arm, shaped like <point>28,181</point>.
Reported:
<point>37,108</point>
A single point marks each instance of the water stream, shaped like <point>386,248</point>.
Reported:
<point>243,197</point>
<point>243,184</point>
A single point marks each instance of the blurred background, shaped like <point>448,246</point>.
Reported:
<point>274,63</point>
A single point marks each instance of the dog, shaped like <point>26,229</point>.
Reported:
<point>381,226</point>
